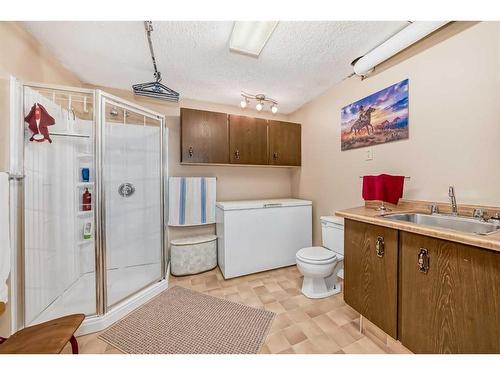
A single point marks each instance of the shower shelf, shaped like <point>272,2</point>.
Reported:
<point>85,242</point>
<point>85,213</point>
<point>84,184</point>
<point>83,155</point>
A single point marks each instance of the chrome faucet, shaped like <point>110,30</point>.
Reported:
<point>451,194</point>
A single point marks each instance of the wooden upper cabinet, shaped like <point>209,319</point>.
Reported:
<point>219,138</point>
<point>204,137</point>
<point>371,273</point>
<point>248,140</point>
<point>284,143</point>
<point>449,301</point>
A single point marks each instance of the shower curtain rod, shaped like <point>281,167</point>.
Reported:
<point>75,135</point>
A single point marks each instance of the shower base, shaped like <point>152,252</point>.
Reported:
<point>122,282</point>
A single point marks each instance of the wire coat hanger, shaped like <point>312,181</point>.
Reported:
<point>154,89</point>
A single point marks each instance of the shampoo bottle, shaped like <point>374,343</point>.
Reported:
<point>87,230</point>
<point>86,200</point>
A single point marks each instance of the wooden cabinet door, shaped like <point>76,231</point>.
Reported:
<point>284,143</point>
<point>247,140</point>
<point>204,137</point>
<point>455,306</point>
<point>371,272</point>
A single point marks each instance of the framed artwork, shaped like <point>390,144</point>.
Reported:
<point>379,118</point>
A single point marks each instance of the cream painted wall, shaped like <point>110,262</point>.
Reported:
<point>454,126</point>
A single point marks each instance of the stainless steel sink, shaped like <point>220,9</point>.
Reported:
<point>459,223</point>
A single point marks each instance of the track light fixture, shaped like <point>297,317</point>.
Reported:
<point>244,103</point>
<point>261,100</point>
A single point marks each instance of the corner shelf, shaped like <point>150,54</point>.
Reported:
<point>83,155</point>
<point>86,242</point>
<point>84,184</point>
<point>85,213</point>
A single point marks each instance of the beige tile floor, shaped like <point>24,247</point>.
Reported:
<point>302,325</point>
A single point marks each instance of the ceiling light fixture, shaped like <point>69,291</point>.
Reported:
<point>261,100</point>
<point>250,37</point>
<point>411,34</point>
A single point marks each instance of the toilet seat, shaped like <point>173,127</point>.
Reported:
<point>316,255</point>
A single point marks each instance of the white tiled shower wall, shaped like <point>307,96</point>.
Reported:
<point>52,253</point>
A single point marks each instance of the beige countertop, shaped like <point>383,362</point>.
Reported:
<point>368,214</point>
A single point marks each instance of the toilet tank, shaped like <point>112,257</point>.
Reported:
<point>332,232</point>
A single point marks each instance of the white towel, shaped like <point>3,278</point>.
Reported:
<point>191,201</point>
<point>4,236</point>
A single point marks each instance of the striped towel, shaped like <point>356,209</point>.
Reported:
<point>191,200</point>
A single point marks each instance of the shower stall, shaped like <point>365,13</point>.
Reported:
<point>92,226</point>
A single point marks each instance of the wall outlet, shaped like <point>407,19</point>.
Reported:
<point>369,153</point>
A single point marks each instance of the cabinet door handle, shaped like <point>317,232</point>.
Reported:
<point>190,151</point>
<point>380,246</point>
<point>237,154</point>
<point>423,260</point>
<point>275,155</point>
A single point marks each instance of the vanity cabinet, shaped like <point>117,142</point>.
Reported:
<point>433,295</point>
<point>371,272</point>
<point>204,137</point>
<point>449,296</point>
<point>248,140</point>
<point>284,143</point>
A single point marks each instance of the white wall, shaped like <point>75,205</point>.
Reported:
<point>454,125</point>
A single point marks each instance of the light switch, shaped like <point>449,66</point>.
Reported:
<point>369,153</point>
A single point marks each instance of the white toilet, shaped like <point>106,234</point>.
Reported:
<point>322,267</point>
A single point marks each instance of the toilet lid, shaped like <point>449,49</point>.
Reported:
<point>316,253</point>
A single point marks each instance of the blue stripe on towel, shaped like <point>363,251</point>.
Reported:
<point>182,202</point>
<point>203,200</point>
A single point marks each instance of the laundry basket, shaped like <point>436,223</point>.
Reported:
<point>192,255</point>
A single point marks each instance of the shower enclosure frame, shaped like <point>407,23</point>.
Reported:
<point>105,315</point>
<point>100,144</point>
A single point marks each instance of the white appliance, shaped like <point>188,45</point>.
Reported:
<point>323,267</point>
<point>259,235</point>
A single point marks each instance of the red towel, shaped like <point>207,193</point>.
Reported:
<point>383,187</point>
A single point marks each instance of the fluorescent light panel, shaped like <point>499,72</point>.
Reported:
<point>250,37</point>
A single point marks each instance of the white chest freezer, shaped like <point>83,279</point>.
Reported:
<point>259,235</point>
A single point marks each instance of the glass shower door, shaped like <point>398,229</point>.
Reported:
<point>132,178</point>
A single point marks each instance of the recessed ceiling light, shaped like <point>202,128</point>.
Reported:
<point>250,37</point>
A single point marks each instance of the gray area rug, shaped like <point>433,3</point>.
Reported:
<point>182,321</point>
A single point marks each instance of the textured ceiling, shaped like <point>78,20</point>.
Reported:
<point>300,61</point>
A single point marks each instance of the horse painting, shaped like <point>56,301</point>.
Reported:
<point>379,118</point>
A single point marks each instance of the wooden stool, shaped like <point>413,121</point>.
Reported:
<point>46,338</point>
